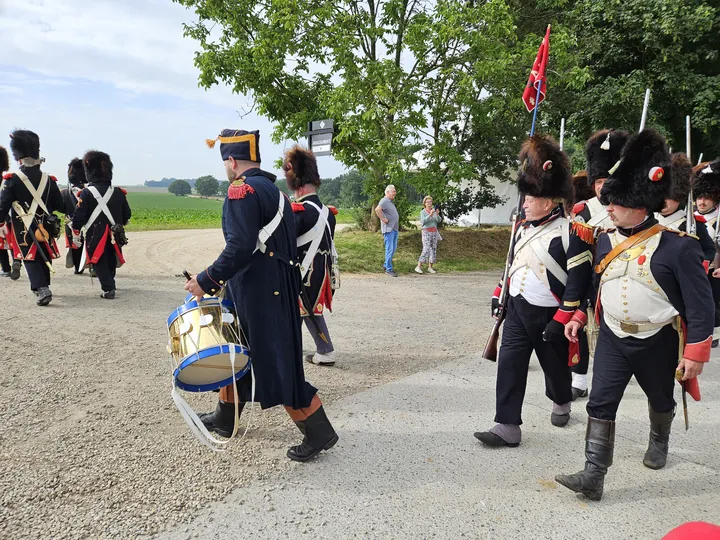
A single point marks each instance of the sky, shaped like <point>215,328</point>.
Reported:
<point>118,76</point>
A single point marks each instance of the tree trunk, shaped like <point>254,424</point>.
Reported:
<point>374,221</point>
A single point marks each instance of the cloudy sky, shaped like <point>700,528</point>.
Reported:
<point>117,76</point>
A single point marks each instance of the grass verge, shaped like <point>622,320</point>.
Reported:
<point>461,250</point>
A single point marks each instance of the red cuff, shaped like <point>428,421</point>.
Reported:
<point>563,317</point>
<point>580,316</point>
<point>497,292</point>
<point>706,265</point>
<point>698,352</point>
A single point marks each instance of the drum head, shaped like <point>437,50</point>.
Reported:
<point>210,368</point>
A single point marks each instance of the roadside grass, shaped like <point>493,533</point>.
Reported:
<point>461,250</point>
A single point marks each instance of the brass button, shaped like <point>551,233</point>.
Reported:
<point>276,293</point>
<point>625,310</point>
<point>222,282</point>
<point>649,281</point>
<point>627,318</point>
<point>624,303</point>
<point>271,254</point>
<point>541,264</point>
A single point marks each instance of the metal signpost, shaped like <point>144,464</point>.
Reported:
<point>320,133</point>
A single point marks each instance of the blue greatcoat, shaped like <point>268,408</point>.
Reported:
<point>265,289</point>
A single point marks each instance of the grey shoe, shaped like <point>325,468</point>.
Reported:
<point>559,420</point>
<point>391,273</point>
<point>4,274</point>
<point>108,295</point>
<point>44,296</point>
<point>577,393</point>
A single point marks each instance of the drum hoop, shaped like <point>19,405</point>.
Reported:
<point>205,353</point>
<point>190,306</point>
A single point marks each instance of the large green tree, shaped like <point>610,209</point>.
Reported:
<point>399,77</point>
<point>207,186</point>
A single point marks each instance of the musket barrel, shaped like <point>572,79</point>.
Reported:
<point>645,109</point>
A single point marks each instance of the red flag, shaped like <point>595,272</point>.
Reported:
<point>537,75</point>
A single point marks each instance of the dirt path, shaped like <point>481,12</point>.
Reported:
<point>91,444</point>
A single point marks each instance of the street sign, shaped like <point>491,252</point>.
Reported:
<point>318,125</point>
<point>320,136</point>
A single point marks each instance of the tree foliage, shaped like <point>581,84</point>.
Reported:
<point>207,186</point>
<point>180,188</point>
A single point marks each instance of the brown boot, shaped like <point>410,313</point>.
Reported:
<point>599,444</point>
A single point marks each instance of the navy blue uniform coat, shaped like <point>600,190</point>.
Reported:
<point>265,289</point>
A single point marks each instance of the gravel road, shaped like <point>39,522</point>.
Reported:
<point>91,444</point>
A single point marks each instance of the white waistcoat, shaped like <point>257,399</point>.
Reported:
<point>629,292</point>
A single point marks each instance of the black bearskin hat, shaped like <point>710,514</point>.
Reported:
<point>642,177</point>
<point>97,166</point>
<point>544,169</point>
<point>24,144</point>
<point>76,173</point>
<point>304,168</point>
<point>680,172</point>
<point>602,152</point>
<point>706,180</point>
<point>4,160</point>
<point>581,186</point>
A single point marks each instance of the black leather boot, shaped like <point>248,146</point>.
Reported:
<point>222,421</point>
<point>318,435</point>
<point>660,424</point>
<point>599,444</point>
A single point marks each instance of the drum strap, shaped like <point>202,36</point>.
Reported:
<point>27,217</point>
<point>198,429</point>
<point>267,231</point>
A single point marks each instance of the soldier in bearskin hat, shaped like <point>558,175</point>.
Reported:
<point>315,224</point>
<point>102,211</point>
<point>28,198</point>
<point>74,243</point>
<point>602,152</point>
<point>548,280</point>
<point>259,271</point>
<point>706,190</point>
<point>653,293</point>
<point>4,254</point>
<point>675,212</point>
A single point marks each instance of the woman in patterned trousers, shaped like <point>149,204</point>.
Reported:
<point>429,221</point>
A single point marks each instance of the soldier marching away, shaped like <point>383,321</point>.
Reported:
<point>74,243</point>
<point>315,226</point>
<point>259,272</point>
<point>654,306</point>
<point>5,267</point>
<point>29,197</point>
<point>602,151</point>
<point>103,211</point>
<point>674,213</point>
<point>548,279</point>
<point>706,190</point>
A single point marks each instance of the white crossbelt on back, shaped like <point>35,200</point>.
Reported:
<point>315,235</point>
<point>267,231</point>
<point>102,206</point>
<point>27,217</point>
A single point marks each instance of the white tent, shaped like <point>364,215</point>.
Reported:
<point>501,214</point>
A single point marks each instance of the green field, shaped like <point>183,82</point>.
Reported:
<point>156,211</point>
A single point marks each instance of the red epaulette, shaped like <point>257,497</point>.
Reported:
<point>297,207</point>
<point>8,176</point>
<point>579,207</point>
<point>585,232</point>
<point>333,210</point>
<point>52,178</point>
<point>700,218</point>
<point>123,190</point>
<point>239,189</point>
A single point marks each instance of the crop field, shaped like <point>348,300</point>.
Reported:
<point>163,211</point>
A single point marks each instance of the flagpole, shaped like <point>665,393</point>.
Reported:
<point>537,99</point>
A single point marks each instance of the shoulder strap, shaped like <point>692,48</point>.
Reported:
<point>310,254</point>
<point>267,231</point>
<point>35,193</point>
<point>627,244</point>
<point>102,206</point>
<point>565,236</point>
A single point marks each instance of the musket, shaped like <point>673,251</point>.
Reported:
<point>562,133</point>
<point>690,215</point>
<point>646,103</point>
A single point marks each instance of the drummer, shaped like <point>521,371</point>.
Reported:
<point>259,272</point>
